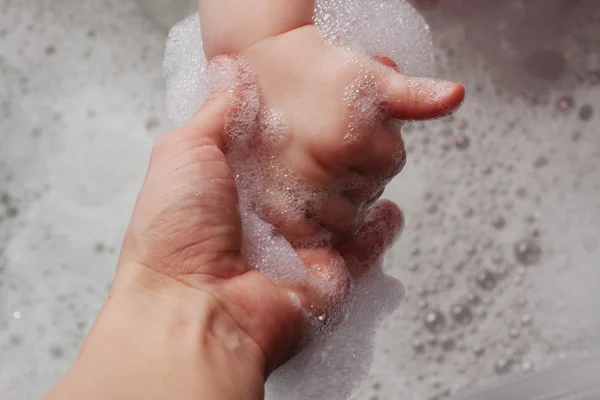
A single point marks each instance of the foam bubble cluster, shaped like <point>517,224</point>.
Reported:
<point>280,207</point>
<point>392,28</point>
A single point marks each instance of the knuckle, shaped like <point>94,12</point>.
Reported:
<point>394,155</point>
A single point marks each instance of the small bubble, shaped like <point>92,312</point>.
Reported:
<point>461,314</point>
<point>514,333</point>
<point>497,257</point>
<point>526,319</point>
<point>447,132</point>
<point>432,341</point>
<point>432,209</point>
<point>528,251</point>
<point>471,250</point>
<point>16,340</point>
<point>422,304</point>
<point>540,162</point>
<point>473,298</point>
<point>586,112</point>
<point>56,352</point>
<point>12,212</point>
<point>435,321</point>
<point>486,279</point>
<point>50,50</point>
<point>418,346</point>
<point>498,222</point>
<point>521,192</point>
<point>462,142</point>
<point>565,103</point>
<point>99,248</point>
<point>502,366</point>
<point>527,366</point>
<point>478,350</point>
<point>152,123</point>
<point>447,343</point>
<point>468,212</point>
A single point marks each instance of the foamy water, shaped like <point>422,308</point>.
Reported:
<point>520,157</point>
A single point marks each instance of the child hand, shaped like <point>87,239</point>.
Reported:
<point>328,142</point>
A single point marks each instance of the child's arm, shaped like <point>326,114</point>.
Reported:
<point>231,26</point>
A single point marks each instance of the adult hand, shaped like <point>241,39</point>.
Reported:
<point>187,317</point>
<point>186,231</point>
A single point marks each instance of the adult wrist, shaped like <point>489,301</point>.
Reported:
<point>158,338</point>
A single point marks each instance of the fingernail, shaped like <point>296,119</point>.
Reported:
<point>388,62</point>
<point>441,91</point>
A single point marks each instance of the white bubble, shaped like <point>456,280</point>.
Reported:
<point>184,68</point>
<point>390,28</point>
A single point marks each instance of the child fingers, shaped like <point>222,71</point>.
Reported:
<point>383,223</point>
<point>328,281</point>
<point>297,223</point>
<point>342,217</point>
<point>382,153</point>
<point>420,98</point>
<point>327,221</point>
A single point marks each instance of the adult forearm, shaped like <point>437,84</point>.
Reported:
<point>231,26</point>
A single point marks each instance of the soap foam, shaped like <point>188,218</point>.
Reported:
<point>335,361</point>
<point>391,28</point>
